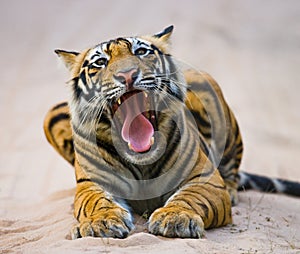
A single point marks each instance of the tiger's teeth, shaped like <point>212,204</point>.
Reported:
<point>145,94</point>
<point>152,141</point>
<point>119,101</point>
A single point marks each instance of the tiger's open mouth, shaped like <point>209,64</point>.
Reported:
<point>135,119</point>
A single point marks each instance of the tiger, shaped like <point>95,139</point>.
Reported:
<point>148,135</point>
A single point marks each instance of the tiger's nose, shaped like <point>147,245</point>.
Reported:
<point>127,77</point>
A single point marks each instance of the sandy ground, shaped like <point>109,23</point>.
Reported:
<point>250,47</point>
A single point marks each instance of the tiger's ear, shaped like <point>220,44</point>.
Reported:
<point>68,57</point>
<point>165,34</point>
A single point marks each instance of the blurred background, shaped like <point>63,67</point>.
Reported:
<point>252,48</point>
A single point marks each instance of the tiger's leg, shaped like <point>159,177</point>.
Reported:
<point>202,202</point>
<point>98,213</point>
<point>58,131</point>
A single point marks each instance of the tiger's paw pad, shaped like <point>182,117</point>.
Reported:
<point>104,225</point>
<point>170,222</point>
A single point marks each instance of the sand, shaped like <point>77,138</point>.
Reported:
<point>250,47</point>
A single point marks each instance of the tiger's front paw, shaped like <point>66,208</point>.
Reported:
<point>176,222</point>
<point>114,222</point>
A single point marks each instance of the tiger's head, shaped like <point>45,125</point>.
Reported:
<point>126,91</point>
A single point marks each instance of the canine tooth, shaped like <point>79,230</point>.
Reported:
<point>152,141</point>
<point>145,94</point>
<point>119,101</point>
<point>129,146</point>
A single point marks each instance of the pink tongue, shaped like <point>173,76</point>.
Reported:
<point>136,130</point>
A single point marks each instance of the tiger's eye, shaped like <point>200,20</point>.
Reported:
<point>101,62</point>
<point>141,51</point>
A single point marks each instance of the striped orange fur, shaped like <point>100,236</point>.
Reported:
<point>145,136</point>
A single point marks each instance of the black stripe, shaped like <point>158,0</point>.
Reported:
<point>262,183</point>
<point>199,86</point>
<point>175,93</point>
<point>215,211</point>
<point>79,212</point>
<point>200,120</point>
<point>173,70</point>
<point>58,118</point>
<point>229,173</point>
<point>108,147</point>
<point>108,50</point>
<point>122,39</point>
<point>237,131</point>
<point>156,49</point>
<point>181,199</point>
<point>103,119</point>
<point>79,195</point>
<point>85,203</point>
<point>61,105</point>
<point>81,180</point>
<point>187,159</point>
<point>105,169</point>
<point>68,143</point>
<point>85,137</point>
<point>95,205</point>
<point>83,77</point>
<point>239,148</point>
<point>174,74</point>
<point>77,198</point>
<point>162,60</point>
<point>224,213</point>
<point>205,87</point>
<point>91,160</point>
<point>132,170</point>
<point>203,174</point>
<point>85,63</point>
<point>77,90</point>
<point>196,196</point>
<point>205,147</point>
<point>93,74</point>
<point>97,202</point>
<point>171,147</point>
<point>85,147</point>
<point>173,143</point>
<point>216,186</point>
<point>212,205</point>
<point>290,187</point>
<point>226,159</point>
<point>111,150</point>
<point>204,208</point>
